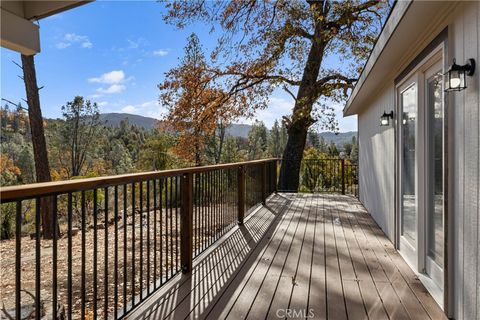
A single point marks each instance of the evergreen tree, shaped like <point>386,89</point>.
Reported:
<point>257,140</point>
<point>332,149</point>
<point>79,132</point>
<point>274,141</point>
<point>230,151</point>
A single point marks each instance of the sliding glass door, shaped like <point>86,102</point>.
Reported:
<point>420,154</point>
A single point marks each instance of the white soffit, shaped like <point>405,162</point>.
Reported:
<point>401,31</point>
<point>18,31</point>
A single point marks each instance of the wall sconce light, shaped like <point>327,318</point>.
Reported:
<point>455,76</point>
<point>385,118</point>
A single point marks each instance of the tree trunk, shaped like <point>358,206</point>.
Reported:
<point>42,168</point>
<point>292,159</point>
<point>301,117</point>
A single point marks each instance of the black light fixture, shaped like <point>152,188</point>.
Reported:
<point>455,76</point>
<point>385,118</point>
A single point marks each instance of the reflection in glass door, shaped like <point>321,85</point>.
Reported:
<point>434,190</point>
<point>409,107</point>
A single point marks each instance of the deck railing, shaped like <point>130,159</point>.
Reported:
<point>329,175</point>
<point>120,238</point>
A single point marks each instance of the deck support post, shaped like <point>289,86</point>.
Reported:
<point>241,194</point>
<point>264,182</point>
<point>186,223</point>
<point>275,178</point>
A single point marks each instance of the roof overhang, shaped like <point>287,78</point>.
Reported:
<point>18,30</point>
<point>409,23</point>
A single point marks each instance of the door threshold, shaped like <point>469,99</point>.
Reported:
<point>435,291</point>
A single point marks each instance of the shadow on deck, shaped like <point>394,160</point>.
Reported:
<point>300,256</point>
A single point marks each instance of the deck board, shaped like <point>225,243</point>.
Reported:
<point>320,254</point>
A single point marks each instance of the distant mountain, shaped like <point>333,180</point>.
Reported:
<point>238,130</point>
<point>114,119</point>
<point>234,130</point>
<point>339,138</point>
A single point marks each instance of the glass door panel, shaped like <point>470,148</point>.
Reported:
<point>409,107</point>
<point>434,157</point>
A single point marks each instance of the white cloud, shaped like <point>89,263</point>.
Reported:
<point>102,103</point>
<point>129,109</point>
<point>63,45</point>
<point>114,88</point>
<point>73,38</point>
<point>277,108</point>
<point>87,44</point>
<point>114,80</point>
<point>135,44</point>
<point>112,77</point>
<point>160,52</point>
<point>148,109</point>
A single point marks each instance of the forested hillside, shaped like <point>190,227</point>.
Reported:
<point>234,129</point>
<point>82,144</point>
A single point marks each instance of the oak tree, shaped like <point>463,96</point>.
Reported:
<point>312,49</point>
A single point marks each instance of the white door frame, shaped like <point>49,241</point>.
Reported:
<point>416,256</point>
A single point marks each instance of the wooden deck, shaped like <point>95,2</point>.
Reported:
<point>318,256</point>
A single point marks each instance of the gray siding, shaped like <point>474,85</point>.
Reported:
<point>376,161</point>
<point>465,44</point>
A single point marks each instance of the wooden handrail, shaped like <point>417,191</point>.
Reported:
<point>26,191</point>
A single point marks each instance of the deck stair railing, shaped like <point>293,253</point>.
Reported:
<point>120,238</point>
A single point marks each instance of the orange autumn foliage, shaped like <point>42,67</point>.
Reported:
<point>8,166</point>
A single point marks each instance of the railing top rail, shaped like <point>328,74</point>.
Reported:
<point>33,190</point>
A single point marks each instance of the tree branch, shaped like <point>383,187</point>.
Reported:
<point>289,92</point>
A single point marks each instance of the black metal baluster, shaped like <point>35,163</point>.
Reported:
<point>177,224</point>
<point>220,199</point>
<point>37,260</point>
<point>133,245</point>
<point>215,207</point>
<point>69,255</point>
<point>54,258</point>
<point>174,239</point>
<point>171,226</point>
<point>202,236</point>
<point>115,267</point>
<point>148,236</point>
<point>217,203</point>
<point>140,198</point>
<point>213,215</point>
<point>209,209</point>
<point>95,212</point>
<point>18,259</point>
<point>197,182</point>
<point>155,234</point>
<point>105,261</point>
<point>206,216</point>
<point>161,231</point>
<point>167,199</point>
<point>84,226</point>
<point>125,244</point>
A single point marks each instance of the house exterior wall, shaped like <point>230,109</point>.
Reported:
<point>376,162</point>
<point>464,34</point>
<point>376,158</point>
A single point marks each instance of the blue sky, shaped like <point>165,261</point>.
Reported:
<point>115,53</point>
